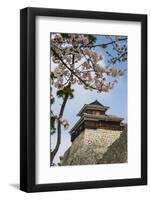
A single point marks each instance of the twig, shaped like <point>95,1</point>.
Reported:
<point>87,85</point>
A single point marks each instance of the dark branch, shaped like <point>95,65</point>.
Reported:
<point>87,85</point>
<point>105,44</point>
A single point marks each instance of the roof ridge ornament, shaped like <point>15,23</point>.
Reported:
<point>96,102</point>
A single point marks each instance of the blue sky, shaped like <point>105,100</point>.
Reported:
<point>116,99</point>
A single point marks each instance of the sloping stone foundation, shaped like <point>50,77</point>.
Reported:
<point>98,146</point>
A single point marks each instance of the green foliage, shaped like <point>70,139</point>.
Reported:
<point>65,35</point>
<point>52,76</point>
<point>52,123</point>
<point>52,100</point>
<point>52,118</point>
<point>66,91</point>
<point>92,38</point>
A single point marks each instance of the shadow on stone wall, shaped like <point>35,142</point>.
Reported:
<point>79,154</point>
<point>117,152</point>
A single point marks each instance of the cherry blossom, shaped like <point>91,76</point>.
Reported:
<point>77,59</point>
<point>78,63</point>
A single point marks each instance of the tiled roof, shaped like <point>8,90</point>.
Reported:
<point>104,117</point>
<point>92,117</point>
<point>96,103</point>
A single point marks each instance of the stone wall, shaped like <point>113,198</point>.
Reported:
<point>96,147</point>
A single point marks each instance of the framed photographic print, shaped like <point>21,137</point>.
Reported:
<point>83,99</point>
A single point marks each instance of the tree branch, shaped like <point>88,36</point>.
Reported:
<point>87,85</point>
<point>105,44</point>
<point>53,153</point>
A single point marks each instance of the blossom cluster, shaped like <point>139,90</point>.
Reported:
<point>77,63</point>
<point>63,122</point>
<point>119,47</point>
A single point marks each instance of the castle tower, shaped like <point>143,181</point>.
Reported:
<point>93,116</point>
<point>96,138</point>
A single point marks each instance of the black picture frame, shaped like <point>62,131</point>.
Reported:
<point>28,98</point>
